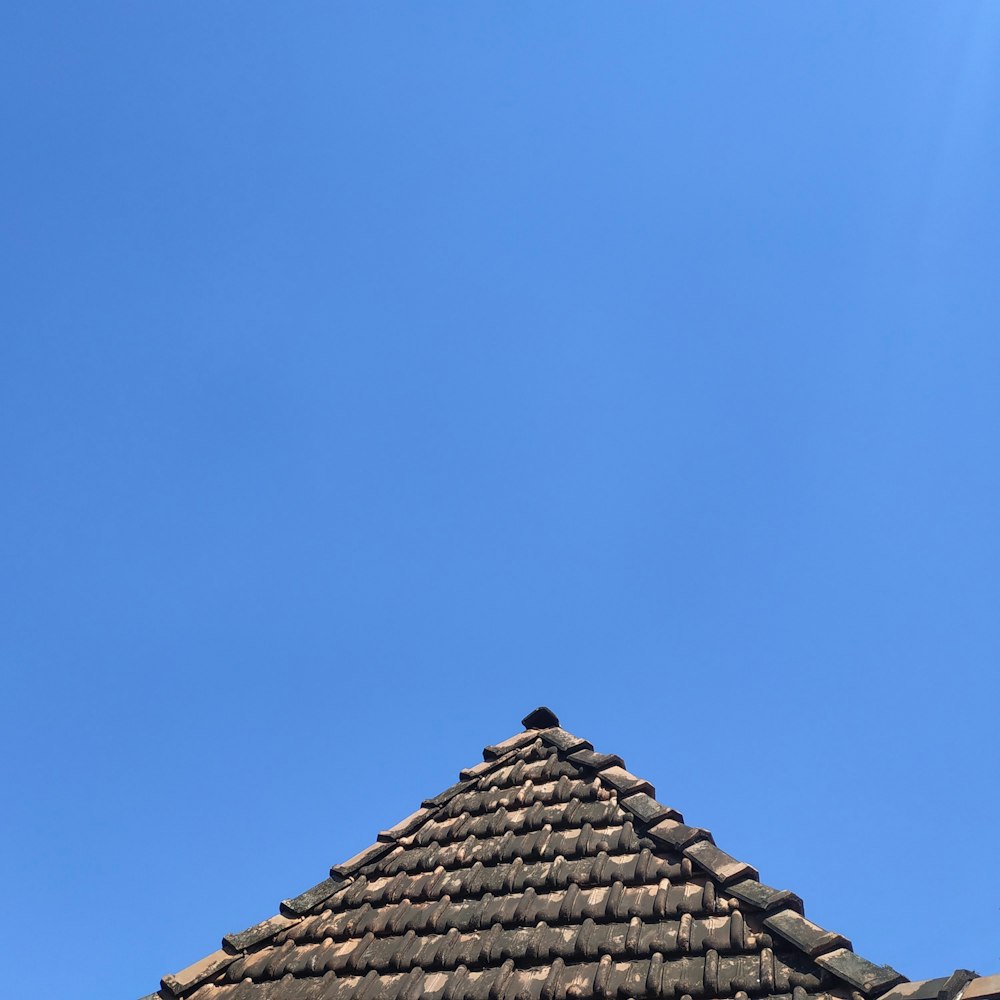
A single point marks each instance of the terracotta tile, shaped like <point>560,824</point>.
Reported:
<point>925,989</point>
<point>305,901</point>
<point>804,934</point>
<point>863,975</point>
<point>624,782</point>
<point>406,826</point>
<point>956,984</point>
<point>259,932</point>
<point>362,858</point>
<point>719,864</point>
<point>676,835</point>
<point>644,807</point>
<point>597,761</point>
<point>511,743</point>
<point>563,741</point>
<point>763,896</point>
<point>982,987</point>
<point>197,973</point>
<point>469,773</point>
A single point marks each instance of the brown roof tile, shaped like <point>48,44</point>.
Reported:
<point>644,807</point>
<point>198,972</point>
<point>725,868</point>
<point>547,872</point>
<point>763,897</point>
<point>860,973</point>
<point>305,901</point>
<point>563,741</point>
<point>259,932</point>
<point>982,987</point>
<point>810,937</point>
<point>676,835</point>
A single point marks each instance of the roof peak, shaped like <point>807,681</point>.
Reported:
<point>540,718</point>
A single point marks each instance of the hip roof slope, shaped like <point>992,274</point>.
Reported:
<point>547,872</point>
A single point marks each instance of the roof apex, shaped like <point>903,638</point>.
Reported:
<point>540,718</point>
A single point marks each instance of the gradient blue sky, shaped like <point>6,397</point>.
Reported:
<point>372,373</point>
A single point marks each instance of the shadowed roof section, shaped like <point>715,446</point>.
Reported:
<point>548,871</point>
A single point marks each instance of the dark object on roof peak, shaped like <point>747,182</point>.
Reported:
<point>541,718</point>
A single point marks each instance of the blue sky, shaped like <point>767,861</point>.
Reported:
<point>373,373</point>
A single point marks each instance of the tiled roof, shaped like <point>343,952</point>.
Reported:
<point>547,872</point>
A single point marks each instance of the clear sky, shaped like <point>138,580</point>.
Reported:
<point>372,373</point>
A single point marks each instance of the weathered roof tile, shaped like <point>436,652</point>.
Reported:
<point>512,743</point>
<point>362,858</point>
<point>540,718</point>
<point>810,937</point>
<point>719,864</point>
<point>305,901</point>
<point>644,807</point>
<point>597,761</point>
<point>259,932</point>
<point>563,741</point>
<point>955,984</point>
<point>442,797</point>
<point>925,989</point>
<point>405,826</point>
<point>982,987</point>
<point>763,896</point>
<point>860,973</point>
<point>624,782</point>
<point>198,972</point>
<point>677,835</point>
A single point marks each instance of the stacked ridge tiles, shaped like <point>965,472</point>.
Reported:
<point>548,871</point>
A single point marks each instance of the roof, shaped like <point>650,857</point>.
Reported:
<point>547,872</point>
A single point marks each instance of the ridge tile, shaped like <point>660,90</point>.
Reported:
<point>540,718</point>
<point>197,973</point>
<point>468,773</point>
<point>719,864</point>
<point>804,934</point>
<point>924,989</point>
<point>955,984</point>
<point>764,897</point>
<point>625,782</point>
<point>596,761</point>
<point>677,835</point>
<point>859,972</point>
<point>644,807</point>
<point>442,797</point>
<point>362,858</point>
<point>305,901</point>
<point>515,742</point>
<point>564,742</point>
<point>984,986</point>
<point>259,932</point>
<point>405,826</point>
